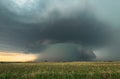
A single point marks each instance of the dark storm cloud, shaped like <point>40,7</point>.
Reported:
<point>66,52</point>
<point>86,31</point>
<point>34,30</point>
<point>81,29</point>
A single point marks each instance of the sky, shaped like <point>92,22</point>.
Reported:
<point>59,30</point>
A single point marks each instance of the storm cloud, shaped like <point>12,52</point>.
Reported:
<point>38,26</point>
<point>67,52</point>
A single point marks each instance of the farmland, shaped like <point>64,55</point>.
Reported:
<point>61,70</point>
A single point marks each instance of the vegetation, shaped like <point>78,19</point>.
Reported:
<point>61,70</point>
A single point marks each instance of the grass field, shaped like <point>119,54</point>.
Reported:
<point>62,70</point>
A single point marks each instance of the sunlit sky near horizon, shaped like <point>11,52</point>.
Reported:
<point>16,57</point>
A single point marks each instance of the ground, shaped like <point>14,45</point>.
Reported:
<point>60,70</point>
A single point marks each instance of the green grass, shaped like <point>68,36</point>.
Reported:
<point>67,70</point>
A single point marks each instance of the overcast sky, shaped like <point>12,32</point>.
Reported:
<point>73,29</point>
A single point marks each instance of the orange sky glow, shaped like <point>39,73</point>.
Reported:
<point>16,57</point>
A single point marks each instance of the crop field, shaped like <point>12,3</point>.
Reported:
<point>61,70</point>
